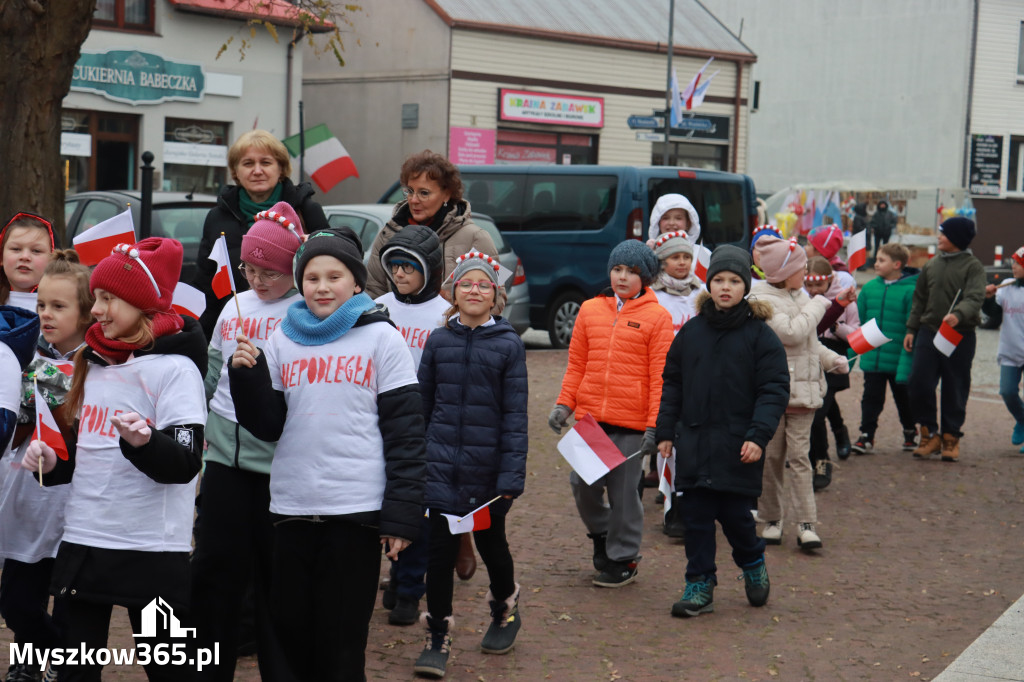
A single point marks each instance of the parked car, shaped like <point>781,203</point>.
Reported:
<point>563,221</point>
<point>366,220</point>
<point>175,214</point>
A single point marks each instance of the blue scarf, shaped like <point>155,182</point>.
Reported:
<point>303,327</point>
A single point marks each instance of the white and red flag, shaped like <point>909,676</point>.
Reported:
<point>687,95</point>
<point>701,262</point>
<point>947,339</point>
<point>699,92</point>
<point>857,250</point>
<point>867,337</point>
<point>98,241</point>
<point>188,300</point>
<point>478,519</point>
<point>46,428</point>
<point>589,450</point>
<point>223,283</point>
<point>667,482</point>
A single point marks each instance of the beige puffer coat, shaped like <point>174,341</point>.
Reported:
<point>795,321</point>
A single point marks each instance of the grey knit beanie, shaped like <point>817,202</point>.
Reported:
<point>731,259</point>
<point>672,242</point>
<point>635,254</point>
<point>474,260</point>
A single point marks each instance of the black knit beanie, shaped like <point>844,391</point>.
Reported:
<point>731,259</point>
<point>340,242</point>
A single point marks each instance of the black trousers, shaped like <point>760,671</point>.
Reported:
<point>930,366</point>
<point>494,552</point>
<point>324,587</point>
<point>873,400</point>
<point>819,427</point>
<point>233,551</point>
<point>700,508</point>
<point>25,600</point>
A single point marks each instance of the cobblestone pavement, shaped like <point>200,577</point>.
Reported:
<point>919,558</point>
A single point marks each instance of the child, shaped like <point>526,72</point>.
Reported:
<point>32,519</point>
<point>832,332</point>
<point>673,213</point>
<point>770,231</point>
<point>137,395</point>
<point>335,386</point>
<point>794,319</point>
<point>235,535</point>
<point>25,242</point>
<point>826,241</point>
<point>616,357</point>
<point>950,289</point>
<point>887,300</point>
<point>473,382</point>
<point>1011,342</point>
<point>726,384</point>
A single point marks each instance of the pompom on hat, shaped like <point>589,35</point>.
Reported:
<point>143,274</point>
<point>672,243</point>
<point>826,240</point>
<point>273,239</point>
<point>475,260</point>
<point>339,242</point>
<point>635,254</point>
<point>780,259</point>
<point>959,230</point>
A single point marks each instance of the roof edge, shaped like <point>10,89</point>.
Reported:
<point>277,12</point>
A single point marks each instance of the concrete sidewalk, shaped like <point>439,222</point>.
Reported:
<point>997,654</point>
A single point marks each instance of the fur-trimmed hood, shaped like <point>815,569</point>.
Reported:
<point>759,310</point>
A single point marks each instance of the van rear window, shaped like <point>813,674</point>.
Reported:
<point>543,202</point>
<point>719,205</point>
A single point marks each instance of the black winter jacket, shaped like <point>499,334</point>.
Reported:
<point>420,241</point>
<point>722,387</point>
<point>227,217</point>
<point>474,388</point>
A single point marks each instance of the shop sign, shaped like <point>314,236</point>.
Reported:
<point>196,154</point>
<point>544,107</point>
<point>135,77</point>
<point>515,154</point>
<point>75,144</point>
<point>471,146</point>
<point>986,164</point>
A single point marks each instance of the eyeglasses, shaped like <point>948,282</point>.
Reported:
<point>402,265</point>
<point>466,285</point>
<point>423,194</point>
<point>268,276</point>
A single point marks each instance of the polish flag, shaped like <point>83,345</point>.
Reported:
<point>702,262</point>
<point>188,300</point>
<point>47,430</point>
<point>947,339</point>
<point>857,251</point>
<point>667,483</point>
<point>590,451</point>
<point>98,241</point>
<point>867,337</point>
<point>687,94</point>
<point>223,283</point>
<point>478,519</point>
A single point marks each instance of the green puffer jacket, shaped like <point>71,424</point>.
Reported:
<point>227,442</point>
<point>889,306</point>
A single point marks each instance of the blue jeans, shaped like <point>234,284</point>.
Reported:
<point>1009,389</point>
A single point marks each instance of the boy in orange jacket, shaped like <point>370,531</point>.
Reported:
<point>616,358</point>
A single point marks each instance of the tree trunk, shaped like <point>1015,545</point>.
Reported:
<point>40,42</point>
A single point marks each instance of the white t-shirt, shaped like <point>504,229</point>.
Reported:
<point>112,504</point>
<point>330,458</point>
<point>259,320</point>
<point>415,320</point>
<point>682,308</point>
<point>24,300</point>
<point>31,518</point>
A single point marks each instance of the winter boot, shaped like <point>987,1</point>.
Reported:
<point>465,562</point>
<point>674,526</point>
<point>931,443</point>
<point>807,538</point>
<point>822,474</point>
<point>772,533</point>
<point>755,582</point>
<point>600,554</point>
<point>698,597</point>
<point>950,448</point>
<point>843,445</point>
<point>405,612</point>
<point>433,660</point>
<point>505,623</point>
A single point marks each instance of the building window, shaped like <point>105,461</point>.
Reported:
<point>1020,55</point>
<point>130,14</point>
<point>691,155</point>
<point>1015,170</point>
<point>195,155</point>
<point>516,147</point>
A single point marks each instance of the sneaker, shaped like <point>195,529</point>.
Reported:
<point>950,448</point>
<point>843,445</point>
<point>500,637</point>
<point>51,674</point>
<point>617,573</point>
<point>806,537</point>
<point>822,474</point>
<point>405,612</point>
<point>864,444</point>
<point>755,583</point>
<point>1018,434</point>
<point>931,444</point>
<point>909,439</point>
<point>698,598</point>
<point>433,660</point>
<point>600,555</point>
<point>22,673</point>
<point>772,533</point>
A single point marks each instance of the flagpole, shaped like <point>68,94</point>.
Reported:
<point>39,426</point>
<point>668,85</point>
<point>951,305</point>
<point>302,143</point>
<point>485,504</point>
<point>234,292</point>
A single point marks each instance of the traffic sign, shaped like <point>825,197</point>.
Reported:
<point>694,124</point>
<point>645,122</point>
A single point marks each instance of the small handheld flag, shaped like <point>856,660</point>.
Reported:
<point>702,262</point>
<point>667,482</point>
<point>188,300</point>
<point>96,243</point>
<point>47,431</point>
<point>478,519</point>
<point>223,283</point>
<point>947,339</point>
<point>867,337</point>
<point>857,250</point>
<point>589,450</point>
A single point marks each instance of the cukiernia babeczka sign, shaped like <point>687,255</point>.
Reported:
<point>137,77</point>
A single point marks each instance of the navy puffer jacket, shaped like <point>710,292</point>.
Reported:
<point>474,388</point>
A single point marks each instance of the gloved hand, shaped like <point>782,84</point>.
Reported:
<point>648,446</point>
<point>37,450</point>
<point>133,428</point>
<point>559,417</point>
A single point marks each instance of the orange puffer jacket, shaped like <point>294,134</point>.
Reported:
<point>616,359</point>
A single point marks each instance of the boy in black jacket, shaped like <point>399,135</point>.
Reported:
<point>726,385</point>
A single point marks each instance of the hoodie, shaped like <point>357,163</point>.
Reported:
<point>666,203</point>
<point>423,244</point>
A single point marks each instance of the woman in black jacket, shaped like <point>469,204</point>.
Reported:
<point>260,165</point>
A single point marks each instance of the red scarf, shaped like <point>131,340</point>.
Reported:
<point>119,351</point>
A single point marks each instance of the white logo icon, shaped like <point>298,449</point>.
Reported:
<point>159,616</point>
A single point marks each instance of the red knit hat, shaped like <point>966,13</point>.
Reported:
<point>1018,256</point>
<point>827,240</point>
<point>273,239</point>
<point>143,274</point>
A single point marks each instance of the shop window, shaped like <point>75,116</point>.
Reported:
<point>520,147</point>
<point>1015,171</point>
<point>691,155</point>
<point>128,14</point>
<point>195,155</point>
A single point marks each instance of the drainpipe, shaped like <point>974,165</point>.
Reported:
<point>296,37</point>
<point>736,117</point>
<point>970,100</point>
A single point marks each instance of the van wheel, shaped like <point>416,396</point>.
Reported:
<point>562,318</point>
